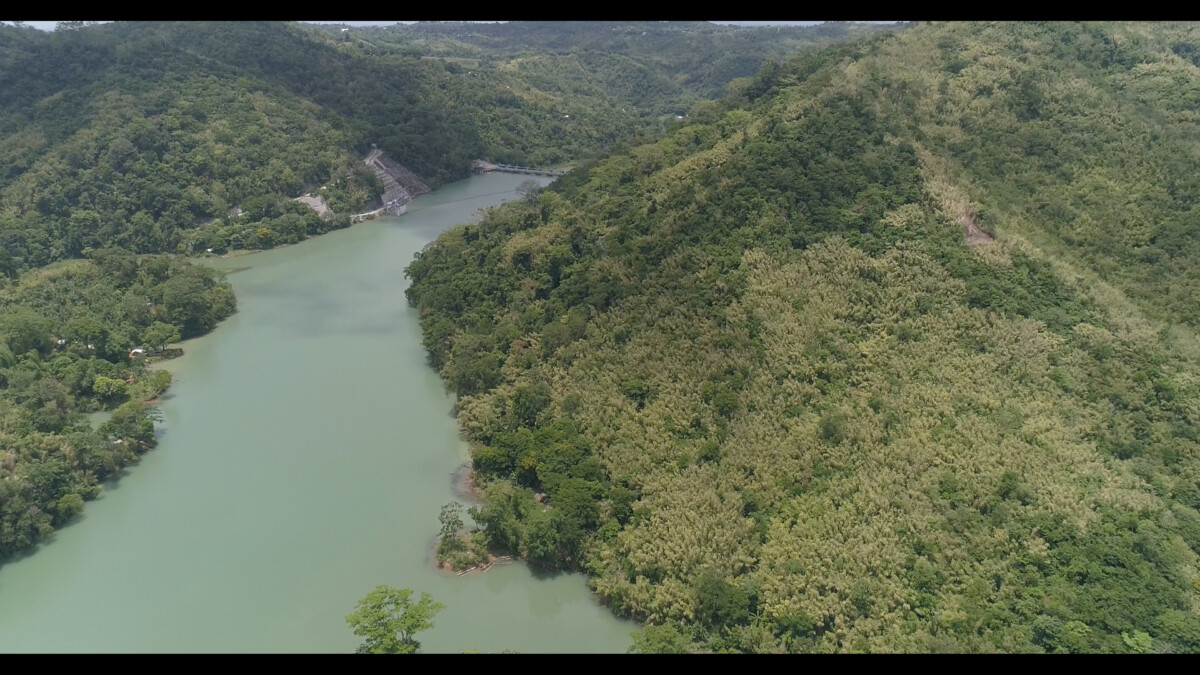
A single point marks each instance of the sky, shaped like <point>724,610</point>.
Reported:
<point>49,25</point>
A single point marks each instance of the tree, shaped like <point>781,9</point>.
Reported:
<point>160,334</point>
<point>26,330</point>
<point>637,391</point>
<point>159,381</point>
<point>1139,643</point>
<point>109,389</point>
<point>529,401</point>
<point>720,603</point>
<point>726,402</point>
<point>132,420</point>
<point>452,522</point>
<point>185,302</point>
<point>528,191</point>
<point>451,519</point>
<point>664,639</point>
<point>88,330</point>
<point>68,506</point>
<point>8,266</point>
<point>388,620</point>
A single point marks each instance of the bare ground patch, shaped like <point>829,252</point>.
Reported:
<point>975,236</point>
<point>952,199</point>
<point>316,204</point>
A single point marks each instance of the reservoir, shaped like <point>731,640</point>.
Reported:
<point>306,450</point>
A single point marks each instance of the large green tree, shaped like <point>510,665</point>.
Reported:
<point>388,620</point>
<point>664,639</point>
<point>160,334</point>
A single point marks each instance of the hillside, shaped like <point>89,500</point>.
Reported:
<point>122,141</point>
<point>181,137</point>
<point>652,64</point>
<point>891,350</point>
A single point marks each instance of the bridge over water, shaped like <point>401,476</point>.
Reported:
<point>481,166</point>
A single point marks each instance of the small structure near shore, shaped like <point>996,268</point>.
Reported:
<point>139,351</point>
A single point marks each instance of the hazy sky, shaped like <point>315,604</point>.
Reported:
<point>49,25</point>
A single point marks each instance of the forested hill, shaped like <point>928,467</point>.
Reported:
<point>179,137</point>
<point>892,350</point>
<point>653,64</point>
<point>123,141</point>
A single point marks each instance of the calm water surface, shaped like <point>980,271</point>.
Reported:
<point>306,450</point>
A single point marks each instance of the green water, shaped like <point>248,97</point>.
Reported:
<point>306,450</point>
<point>98,418</point>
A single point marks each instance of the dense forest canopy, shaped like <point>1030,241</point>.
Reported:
<point>65,336</point>
<point>686,59</point>
<point>187,136</point>
<point>892,349</point>
<point>123,143</point>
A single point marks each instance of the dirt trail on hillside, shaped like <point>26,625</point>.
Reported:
<point>953,198</point>
<point>975,236</point>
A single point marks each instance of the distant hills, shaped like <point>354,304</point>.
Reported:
<point>149,136</point>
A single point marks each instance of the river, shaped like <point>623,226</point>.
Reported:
<point>305,452</point>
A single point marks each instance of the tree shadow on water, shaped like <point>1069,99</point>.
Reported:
<point>543,573</point>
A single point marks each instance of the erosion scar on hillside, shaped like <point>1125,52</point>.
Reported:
<point>952,198</point>
<point>975,236</point>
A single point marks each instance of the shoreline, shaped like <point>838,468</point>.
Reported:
<point>355,219</point>
<point>445,569</point>
<point>196,379</point>
<point>464,487</point>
